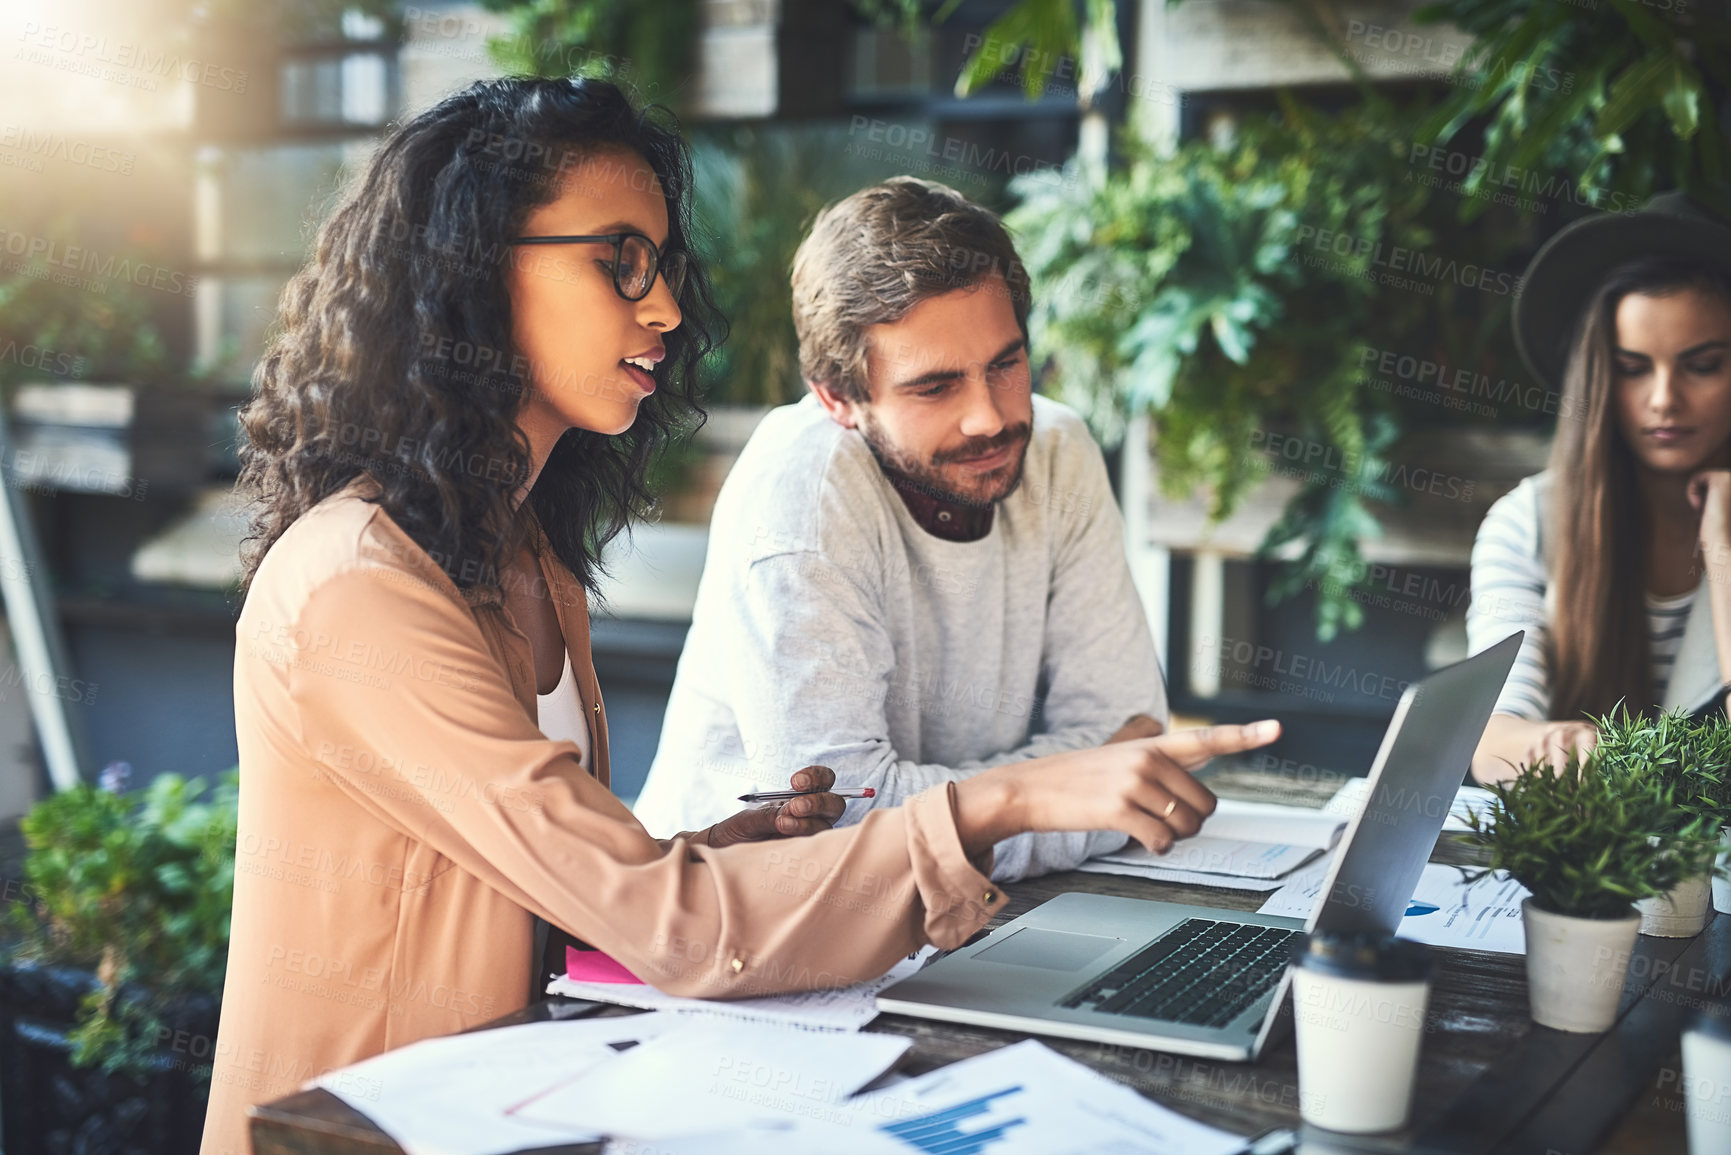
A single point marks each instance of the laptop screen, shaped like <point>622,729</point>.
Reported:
<point>1425,754</point>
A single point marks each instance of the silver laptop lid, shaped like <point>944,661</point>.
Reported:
<point>1429,745</point>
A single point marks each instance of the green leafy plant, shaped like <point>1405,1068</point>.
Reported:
<point>75,334</point>
<point>757,189</point>
<point>1188,286</point>
<point>648,45</point>
<point>1691,758</point>
<point>1588,843</point>
<point>137,888</point>
<point>1626,97</point>
<point>1037,34</point>
<point>1617,101</point>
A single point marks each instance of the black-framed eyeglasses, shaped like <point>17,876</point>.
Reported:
<point>636,261</point>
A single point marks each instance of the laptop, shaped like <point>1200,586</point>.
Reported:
<point>1202,981</point>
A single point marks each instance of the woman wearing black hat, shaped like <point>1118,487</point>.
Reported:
<point>1617,559</point>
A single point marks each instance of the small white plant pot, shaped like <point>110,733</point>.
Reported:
<point>1680,912</point>
<point>1576,967</point>
<point>1721,884</point>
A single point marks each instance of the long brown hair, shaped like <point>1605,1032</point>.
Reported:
<point>1598,650</point>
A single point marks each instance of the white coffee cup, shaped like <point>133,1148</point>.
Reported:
<point>1359,1004</point>
<point>1707,1083</point>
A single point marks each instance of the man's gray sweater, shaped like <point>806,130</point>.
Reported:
<point>831,629</point>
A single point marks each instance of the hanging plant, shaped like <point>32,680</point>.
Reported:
<point>648,46</point>
<point>1191,287</point>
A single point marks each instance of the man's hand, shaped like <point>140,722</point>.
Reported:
<point>791,819</point>
<point>1143,787</point>
<point>1139,726</point>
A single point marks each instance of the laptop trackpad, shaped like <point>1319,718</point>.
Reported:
<point>1054,950</point>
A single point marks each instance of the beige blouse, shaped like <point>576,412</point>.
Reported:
<point>403,819</point>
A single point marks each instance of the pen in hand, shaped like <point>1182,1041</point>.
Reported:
<point>785,795</point>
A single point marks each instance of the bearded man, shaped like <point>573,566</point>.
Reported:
<point>917,571</point>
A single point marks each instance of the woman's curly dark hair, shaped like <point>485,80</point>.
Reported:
<point>395,356</point>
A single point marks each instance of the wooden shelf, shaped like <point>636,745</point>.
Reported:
<point>1469,469</point>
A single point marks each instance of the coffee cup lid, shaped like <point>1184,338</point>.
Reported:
<point>1714,1022</point>
<point>1363,954</point>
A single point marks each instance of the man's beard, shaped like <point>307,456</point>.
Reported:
<point>978,489</point>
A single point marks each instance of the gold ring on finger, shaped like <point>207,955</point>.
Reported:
<point>1170,807</point>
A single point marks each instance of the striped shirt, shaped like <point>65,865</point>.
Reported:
<point>1508,594</point>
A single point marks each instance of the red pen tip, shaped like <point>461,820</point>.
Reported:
<point>868,792</point>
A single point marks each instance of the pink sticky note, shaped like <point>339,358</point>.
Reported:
<point>591,966</point>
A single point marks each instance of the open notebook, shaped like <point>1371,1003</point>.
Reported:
<point>1249,841</point>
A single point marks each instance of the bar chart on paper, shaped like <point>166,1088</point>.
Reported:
<point>964,1129</point>
<point>1026,1099</point>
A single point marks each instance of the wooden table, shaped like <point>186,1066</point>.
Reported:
<point>1489,1079</point>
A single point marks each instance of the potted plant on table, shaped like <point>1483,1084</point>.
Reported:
<point>1692,759</point>
<point>1722,874</point>
<point>1582,842</point>
<point>1712,798</point>
<point>110,989</point>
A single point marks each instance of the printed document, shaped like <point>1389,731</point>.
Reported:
<point>841,1009</point>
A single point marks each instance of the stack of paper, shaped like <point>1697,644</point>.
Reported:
<point>1243,846</point>
<point>1020,1100</point>
<point>546,1084</point>
<point>710,1076</point>
<point>1444,910</point>
<point>589,976</point>
<point>453,1095</point>
<point>670,1084</point>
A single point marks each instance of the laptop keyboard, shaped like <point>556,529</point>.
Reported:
<point>1201,972</point>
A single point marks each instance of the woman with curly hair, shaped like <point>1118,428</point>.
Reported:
<point>498,330</point>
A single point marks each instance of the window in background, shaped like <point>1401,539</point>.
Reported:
<point>258,202</point>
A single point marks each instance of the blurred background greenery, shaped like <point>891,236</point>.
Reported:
<point>1169,280</point>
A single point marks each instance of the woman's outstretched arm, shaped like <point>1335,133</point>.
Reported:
<point>515,810</point>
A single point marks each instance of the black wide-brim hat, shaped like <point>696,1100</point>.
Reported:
<point>1571,266</point>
